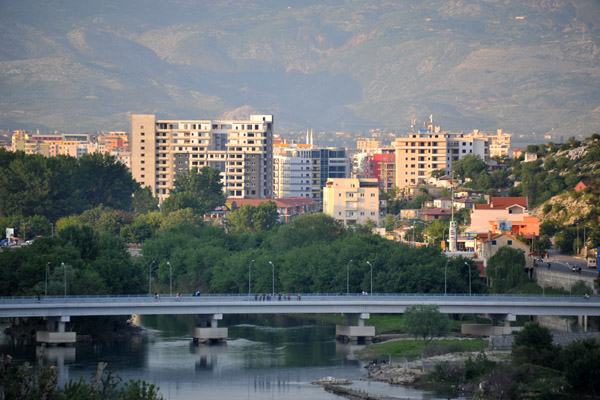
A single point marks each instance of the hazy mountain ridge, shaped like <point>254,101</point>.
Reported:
<point>522,66</point>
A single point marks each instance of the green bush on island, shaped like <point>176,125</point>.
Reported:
<point>41,382</point>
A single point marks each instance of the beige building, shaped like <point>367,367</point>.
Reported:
<point>241,150</point>
<point>366,145</point>
<point>499,144</point>
<point>419,154</point>
<point>352,201</point>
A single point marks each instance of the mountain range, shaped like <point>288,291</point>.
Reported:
<point>341,65</point>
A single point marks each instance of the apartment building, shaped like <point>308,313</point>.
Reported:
<point>302,170</point>
<point>352,201</point>
<point>367,145</point>
<point>241,149</point>
<point>382,167</point>
<point>419,154</point>
<point>499,144</point>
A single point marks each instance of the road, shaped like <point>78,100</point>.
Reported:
<point>564,263</point>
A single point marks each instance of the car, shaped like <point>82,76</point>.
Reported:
<point>575,268</point>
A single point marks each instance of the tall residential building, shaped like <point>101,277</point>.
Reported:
<point>241,150</point>
<point>382,167</point>
<point>419,154</point>
<point>302,170</point>
<point>352,201</point>
<point>499,144</point>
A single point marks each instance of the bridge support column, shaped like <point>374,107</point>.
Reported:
<point>493,328</point>
<point>207,329</point>
<point>56,331</point>
<point>354,333</point>
<point>582,321</point>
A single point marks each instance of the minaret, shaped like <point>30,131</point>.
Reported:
<point>453,224</point>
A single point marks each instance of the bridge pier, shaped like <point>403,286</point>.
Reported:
<point>207,329</point>
<point>491,329</point>
<point>354,333</point>
<point>56,331</point>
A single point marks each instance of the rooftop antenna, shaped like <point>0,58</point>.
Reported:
<point>413,123</point>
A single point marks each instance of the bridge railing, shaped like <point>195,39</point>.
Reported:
<point>295,297</point>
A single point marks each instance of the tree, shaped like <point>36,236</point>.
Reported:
<point>581,363</point>
<point>426,322</point>
<point>390,222</point>
<point>143,201</point>
<point>253,219</point>
<point>506,269</point>
<point>534,344</point>
<point>437,230</point>
<point>470,166</point>
<point>200,190</point>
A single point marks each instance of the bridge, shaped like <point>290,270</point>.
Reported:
<point>209,309</point>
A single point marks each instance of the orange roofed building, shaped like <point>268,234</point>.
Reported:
<point>504,214</point>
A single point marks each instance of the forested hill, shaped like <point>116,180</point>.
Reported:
<point>523,66</point>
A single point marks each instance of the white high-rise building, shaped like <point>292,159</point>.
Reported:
<point>241,150</point>
<point>302,170</point>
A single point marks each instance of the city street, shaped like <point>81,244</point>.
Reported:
<point>564,263</point>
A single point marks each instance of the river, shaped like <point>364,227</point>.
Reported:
<point>264,358</point>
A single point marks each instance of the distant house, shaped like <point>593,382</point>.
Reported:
<point>504,214</point>
<point>443,202</point>
<point>582,185</point>
<point>486,245</point>
<point>434,214</point>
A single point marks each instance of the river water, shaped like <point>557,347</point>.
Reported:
<point>264,358</point>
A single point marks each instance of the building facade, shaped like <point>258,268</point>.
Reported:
<point>419,154</point>
<point>241,150</point>
<point>383,168</point>
<point>352,201</point>
<point>303,170</point>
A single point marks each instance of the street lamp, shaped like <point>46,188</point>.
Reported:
<point>249,276</point>
<point>371,265</point>
<point>446,277</point>
<point>150,277</point>
<point>468,266</point>
<point>65,267</point>
<point>273,272</point>
<point>46,290</point>
<point>348,277</point>
<point>170,279</point>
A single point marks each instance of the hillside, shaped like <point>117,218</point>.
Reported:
<point>523,66</point>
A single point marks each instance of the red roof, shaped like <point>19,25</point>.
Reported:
<point>436,211</point>
<point>502,203</point>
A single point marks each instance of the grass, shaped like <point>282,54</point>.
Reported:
<point>385,323</point>
<point>414,348</point>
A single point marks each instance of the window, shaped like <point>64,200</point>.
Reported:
<point>493,242</point>
<point>509,242</point>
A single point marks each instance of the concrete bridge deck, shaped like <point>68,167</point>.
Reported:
<point>73,306</point>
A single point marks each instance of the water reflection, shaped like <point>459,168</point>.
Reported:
<point>264,358</point>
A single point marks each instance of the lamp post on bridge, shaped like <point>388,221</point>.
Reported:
<point>348,277</point>
<point>446,277</point>
<point>249,276</point>
<point>150,277</point>
<point>273,275</point>
<point>170,279</point>
<point>468,266</point>
<point>371,265</point>
<point>65,268</point>
<point>46,286</point>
